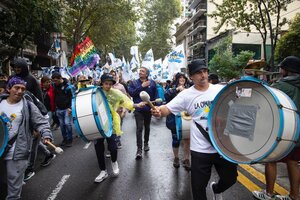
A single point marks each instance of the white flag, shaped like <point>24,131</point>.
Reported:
<point>148,61</point>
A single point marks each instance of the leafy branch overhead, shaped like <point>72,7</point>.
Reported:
<point>260,15</point>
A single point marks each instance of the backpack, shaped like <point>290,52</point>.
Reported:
<point>30,97</point>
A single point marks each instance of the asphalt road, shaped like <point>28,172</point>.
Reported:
<point>71,175</point>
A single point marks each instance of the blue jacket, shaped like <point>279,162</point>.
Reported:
<point>134,89</point>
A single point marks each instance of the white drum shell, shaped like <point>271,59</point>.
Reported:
<point>91,114</point>
<point>85,117</point>
<point>184,129</point>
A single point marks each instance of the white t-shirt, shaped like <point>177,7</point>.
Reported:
<point>12,112</point>
<point>197,104</point>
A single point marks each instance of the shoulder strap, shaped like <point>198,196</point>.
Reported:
<point>204,132</point>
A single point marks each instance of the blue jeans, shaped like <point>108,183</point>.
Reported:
<point>65,124</point>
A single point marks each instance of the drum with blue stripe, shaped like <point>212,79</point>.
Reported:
<point>183,124</point>
<point>250,122</point>
<point>91,114</point>
<point>3,136</point>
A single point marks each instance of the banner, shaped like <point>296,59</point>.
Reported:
<point>148,61</point>
<point>85,55</point>
<point>177,60</point>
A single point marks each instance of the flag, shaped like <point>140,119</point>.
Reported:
<point>148,61</point>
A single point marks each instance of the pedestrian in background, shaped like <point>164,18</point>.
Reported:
<point>142,115</point>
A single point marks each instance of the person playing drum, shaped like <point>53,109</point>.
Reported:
<point>197,100</point>
<point>115,99</point>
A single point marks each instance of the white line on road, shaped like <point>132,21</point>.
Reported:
<point>58,187</point>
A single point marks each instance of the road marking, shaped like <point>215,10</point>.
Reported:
<point>261,177</point>
<point>247,182</point>
<point>58,187</point>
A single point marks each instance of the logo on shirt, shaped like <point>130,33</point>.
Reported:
<point>202,109</point>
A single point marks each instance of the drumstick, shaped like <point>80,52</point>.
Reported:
<point>58,150</point>
<point>146,98</point>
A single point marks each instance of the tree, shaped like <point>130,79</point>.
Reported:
<point>156,26</point>
<point>23,20</point>
<point>289,43</point>
<point>244,14</point>
<point>225,64</point>
<point>110,24</point>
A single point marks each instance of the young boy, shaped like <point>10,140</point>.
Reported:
<point>115,99</point>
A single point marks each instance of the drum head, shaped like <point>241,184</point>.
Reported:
<point>244,121</point>
<point>3,136</point>
<point>102,113</point>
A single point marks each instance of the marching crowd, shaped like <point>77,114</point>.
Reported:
<point>33,108</point>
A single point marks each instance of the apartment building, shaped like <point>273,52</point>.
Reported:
<point>196,33</point>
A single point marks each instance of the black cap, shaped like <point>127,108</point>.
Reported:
<point>291,63</point>
<point>107,77</point>
<point>196,66</point>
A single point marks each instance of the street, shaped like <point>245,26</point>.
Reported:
<point>71,175</point>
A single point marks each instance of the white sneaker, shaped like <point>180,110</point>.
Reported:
<point>103,175</point>
<point>262,195</point>
<point>215,195</point>
<point>282,197</point>
<point>115,168</point>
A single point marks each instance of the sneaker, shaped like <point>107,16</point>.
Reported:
<point>115,168</point>
<point>146,147</point>
<point>215,195</point>
<point>138,155</point>
<point>262,195</point>
<point>103,175</point>
<point>108,155</point>
<point>282,197</point>
<point>176,163</point>
<point>48,160</point>
<point>28,175</point>
<point>119,144</point>
<point>186,164</point>
<point>63,143</point>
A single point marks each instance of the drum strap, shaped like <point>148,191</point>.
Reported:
<point>204,132</point>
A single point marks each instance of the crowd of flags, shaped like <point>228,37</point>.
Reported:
<point>85,60</point>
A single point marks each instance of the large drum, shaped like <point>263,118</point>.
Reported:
<point>183,124</point>
<point>91,114</point>
<point>250,122</point>
<point>3,136</point>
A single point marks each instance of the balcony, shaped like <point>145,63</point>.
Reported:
<point>197,42</point>
<point>193,3</point>
<point>198,27</point>
<point>197,14</point>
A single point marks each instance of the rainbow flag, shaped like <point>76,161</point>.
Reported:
<point>85,55</point>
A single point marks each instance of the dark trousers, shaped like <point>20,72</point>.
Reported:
<point>112,147</point>
<point>142,119</point>
<point>201,166</point>
<point>3,179</point>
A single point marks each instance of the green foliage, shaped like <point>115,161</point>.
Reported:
<point>110,24</point>
<point>244,14</point>
<point>225,64</point>
<point>156,26</point>
<point>24,20</point>
<point>289,43</point>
